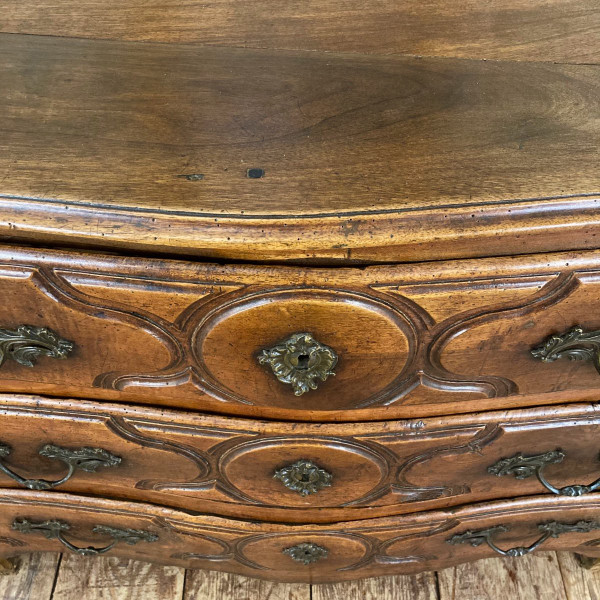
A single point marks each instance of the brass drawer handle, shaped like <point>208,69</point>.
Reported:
<point>575,344</point>
<point>304,477</point>
<point>300,361</point>
<point>523,467</point>
<point>548,530</point>
<point>306,553</point>
<point>27,343</point>
<point>54,530</point>
<point>86,459</point>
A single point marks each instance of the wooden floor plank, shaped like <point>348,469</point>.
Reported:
<point>545,576</point>
<point>210,585</point>
<point>526,578</point>
<point>580,583</point>
<point>111,578</point>
<point>33,580</point>
<point>416,587</point>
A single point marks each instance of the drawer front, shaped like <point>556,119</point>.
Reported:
<point>291,472</point>
<point>299,343</point>
<point>39,521</point>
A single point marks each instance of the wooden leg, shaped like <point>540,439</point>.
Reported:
<point>8,566</point>
<point>588,562</point>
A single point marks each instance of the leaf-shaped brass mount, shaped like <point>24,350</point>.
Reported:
<point>548,530</point>
<point>304,477</point>
<point>575,344</point>
<point>522,467</point>
<point>84,459</point>
<point>300,361</point>
<point>53,530</point>
<point>27,343</point>
<point>307,552</point>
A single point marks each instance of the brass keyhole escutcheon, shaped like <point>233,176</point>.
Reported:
<point>300,361</point>
<point>304,477</point>
<point>306,553</point>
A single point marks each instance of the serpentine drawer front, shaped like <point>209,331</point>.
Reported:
<point>292,472</point>
<point>300,343</point>
<point>45,521</point>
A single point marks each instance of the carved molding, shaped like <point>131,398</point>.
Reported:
<point>426,341</point>
<point>393,474</point>
<point>359,549</point>
<point>412,320</point>
<point>550,294</point>
<point>213,464</point>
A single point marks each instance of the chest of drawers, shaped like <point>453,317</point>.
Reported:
<point>316,308</point>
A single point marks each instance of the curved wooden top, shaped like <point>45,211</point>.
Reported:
<point>552,30</point>
<point>147,146</point>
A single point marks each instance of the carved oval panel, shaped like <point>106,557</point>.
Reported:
<point>355,470</point>
<point>273,552</point>
<point>374,342</point>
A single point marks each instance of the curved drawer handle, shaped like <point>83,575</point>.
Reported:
<point>575,344</point>
<point>54,530</point>
<point>523,467</point>
<point>300,361</point>
<point>304,477</point>
<point>86,459</point>
<point>548,530</point>
<point>27,343</point>
<point>306,552</point>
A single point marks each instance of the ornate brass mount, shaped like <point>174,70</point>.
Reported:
<point>575,344</point>
<point>304,477</point>
<point>86,459</point>
<point>548,530</point>
<point>27,343</point>
<point>307,552</point>
<point>523,467</point>
<point>300,361</point>
<point>53,530</point>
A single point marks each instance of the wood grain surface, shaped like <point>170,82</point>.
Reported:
<point>34,578</point>
<point>226,466</point>
<point>203,585</point>
<point>533,577</point>
<point>410,587</point>
<point>116,579</point>
<point>354,550</point>
<point>364,158</point>
<point>555,30</point>
<point>543,576</point>
<point>580,584</point>
<point>435,338</point>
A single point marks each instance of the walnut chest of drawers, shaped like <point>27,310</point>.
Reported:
<point>305,307</point>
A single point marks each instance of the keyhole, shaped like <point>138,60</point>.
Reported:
<point>303,361</point>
